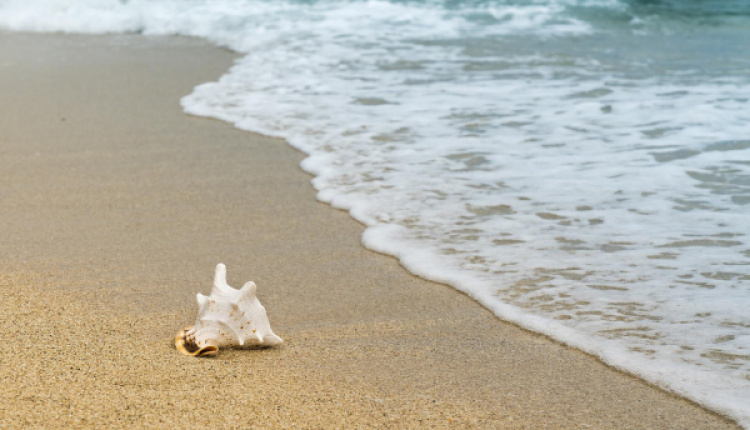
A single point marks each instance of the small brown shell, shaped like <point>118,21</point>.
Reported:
<point>185,343</point>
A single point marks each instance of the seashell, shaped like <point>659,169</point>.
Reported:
<point>227,317</point>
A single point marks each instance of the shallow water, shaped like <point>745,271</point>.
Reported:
<point>580,167</point>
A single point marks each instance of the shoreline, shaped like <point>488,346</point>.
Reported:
<point>119,207</point>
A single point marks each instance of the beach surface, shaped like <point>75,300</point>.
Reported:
<point>116,208</point>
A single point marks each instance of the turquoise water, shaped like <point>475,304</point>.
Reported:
<point>581,168</point>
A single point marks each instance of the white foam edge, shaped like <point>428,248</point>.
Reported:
<point>383,239</point>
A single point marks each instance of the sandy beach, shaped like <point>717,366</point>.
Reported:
<point>117,206</point>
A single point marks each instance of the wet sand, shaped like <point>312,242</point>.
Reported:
<point>117,206</point>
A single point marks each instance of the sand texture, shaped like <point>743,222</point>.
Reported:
<point>116,207</point>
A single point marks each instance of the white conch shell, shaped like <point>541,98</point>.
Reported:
<point>227,317</point>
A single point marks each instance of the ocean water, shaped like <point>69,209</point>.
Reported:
<point>580,167</point>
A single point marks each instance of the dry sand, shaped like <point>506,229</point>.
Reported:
<point>116,207</point>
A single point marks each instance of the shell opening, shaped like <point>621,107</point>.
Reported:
<point>185,343</point>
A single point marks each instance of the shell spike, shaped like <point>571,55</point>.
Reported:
<point>271,339</point>
<point>248,291</point>
<point>202,301</point>
<point>220,276</point>
<point>220,280</point>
